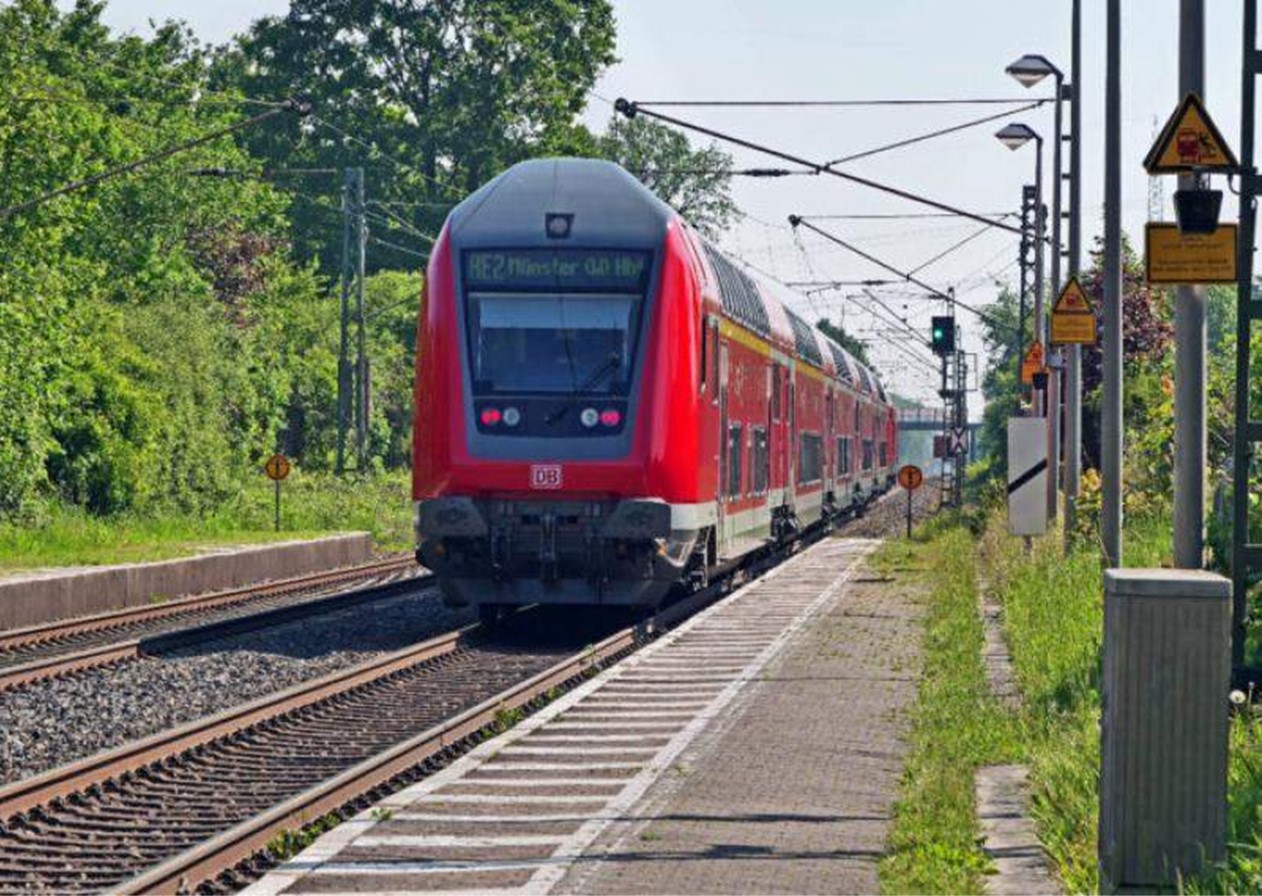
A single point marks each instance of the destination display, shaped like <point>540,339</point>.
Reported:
<point>568,270</point>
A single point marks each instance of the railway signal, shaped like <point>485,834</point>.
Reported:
<point>942,335</point>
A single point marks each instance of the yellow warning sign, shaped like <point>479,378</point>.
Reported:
<point>1032,363</point>
<point>1190,141</point>
<point>1073,319</point>
<point>1174,257</point>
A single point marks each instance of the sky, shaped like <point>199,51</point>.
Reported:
<point>894,49</point>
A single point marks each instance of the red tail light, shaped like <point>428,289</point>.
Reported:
<point>490,416</point>
<point>610,417</point>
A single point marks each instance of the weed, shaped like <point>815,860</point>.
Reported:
<point>289,842</point>
<point>382,813</point>
<point>506,718</point>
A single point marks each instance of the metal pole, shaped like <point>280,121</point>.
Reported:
<point>1189,339</point>
<point>1053,375</point>
<point>361,359</point>
<point>1111,344</point>
<point>909,513</point>
<point>1073,384</point>
<point>277,483</point>
<point>1027,229</point>
<point>1242,556</point>
<point>343,355</point>
<point>1040,229</point>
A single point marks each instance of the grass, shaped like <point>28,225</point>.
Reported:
<point>956,726</point>
<point>311,505</point>
<point>1053,622</point>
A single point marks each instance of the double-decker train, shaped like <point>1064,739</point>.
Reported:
<point>607,406</point>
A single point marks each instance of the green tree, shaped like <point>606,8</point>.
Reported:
<point>695,182</point>
<point>433,97</point>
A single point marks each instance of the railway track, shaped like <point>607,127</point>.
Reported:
<point>60,648</point>
<point>185,806</point>
<point>192,806</point>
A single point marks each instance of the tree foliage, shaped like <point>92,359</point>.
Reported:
<point>852,344</point>
<point>432,97</point>
<point>696,182</point>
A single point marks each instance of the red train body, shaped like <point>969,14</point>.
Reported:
<point>606,405</point>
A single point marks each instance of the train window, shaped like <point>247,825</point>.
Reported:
<point>714,359</point>
<point>867,454</point>
<point>760,461</point>
<point>810,456</point>
<point>705,341</point>
<point>734,461</point>
<point>856,416</point>
<point>843,456</point>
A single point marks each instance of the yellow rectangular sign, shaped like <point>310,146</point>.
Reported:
<point>1073,328</point>
<point>1172,257</point>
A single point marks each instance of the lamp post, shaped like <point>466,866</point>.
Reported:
<point>1029,70</point>
<point>1014,136</point>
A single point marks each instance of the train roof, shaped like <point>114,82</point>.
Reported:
<point>608,206</point>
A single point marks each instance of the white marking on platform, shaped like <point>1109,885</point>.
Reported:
<point>571,766</point>
<point>541,782</point>
<point>473,842</point>
<point>735,614</point>
<point>507,798</point>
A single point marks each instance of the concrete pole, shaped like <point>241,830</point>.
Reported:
<point>1111,344</point>
<point>1189,339</point>
<point>1073,382</point>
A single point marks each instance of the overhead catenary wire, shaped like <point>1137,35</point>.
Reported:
<point>631,109</point>
<point>127,168</point>
<point>942,132</point>
<point>794,220</point>
<point>896,101</point>
<point>377,152</point>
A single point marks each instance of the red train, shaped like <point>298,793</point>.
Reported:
<point>606,405</point>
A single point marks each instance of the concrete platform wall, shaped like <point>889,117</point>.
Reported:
<point>45,595</point>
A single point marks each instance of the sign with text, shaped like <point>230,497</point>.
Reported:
<point>1174,257</point>
<point>569,270</point>
<point>1073,318</point>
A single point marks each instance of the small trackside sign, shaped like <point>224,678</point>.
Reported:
<point>546,476</point>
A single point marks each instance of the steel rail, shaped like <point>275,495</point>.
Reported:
<point>128,649</point>
<point>11,639</point>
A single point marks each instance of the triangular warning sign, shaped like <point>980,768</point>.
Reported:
<point>1190,141</point>
<point>1073,299</point>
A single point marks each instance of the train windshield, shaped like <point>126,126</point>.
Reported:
<point>552,321</point>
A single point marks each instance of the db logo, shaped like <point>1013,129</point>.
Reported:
<point>546,476</point>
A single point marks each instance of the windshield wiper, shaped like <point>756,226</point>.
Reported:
<point>614,362</point>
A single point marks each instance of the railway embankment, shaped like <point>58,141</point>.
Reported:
<point>35,597</point>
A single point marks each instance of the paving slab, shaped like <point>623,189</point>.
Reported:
<point>756,748</point>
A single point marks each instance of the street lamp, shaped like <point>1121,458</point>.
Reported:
<point>1029,70</point>
<point>1014,136</point>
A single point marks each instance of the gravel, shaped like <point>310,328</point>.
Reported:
<point>58,721</point>
<point>887,518</point>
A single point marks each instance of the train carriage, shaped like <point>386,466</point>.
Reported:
<point>606,405</point>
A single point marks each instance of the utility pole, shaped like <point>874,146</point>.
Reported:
<point>1111,344</point>
<point>1189,337</point>
<point>1073,383</point>
<point>344,378</point>
<point>1040,231</point>
<point>361,359</point>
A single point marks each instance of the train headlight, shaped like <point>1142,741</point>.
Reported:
<point>589,418</point>
<point>512,416</point>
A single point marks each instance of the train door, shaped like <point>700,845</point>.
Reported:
<point>724,448</point>
<point>792,447</point>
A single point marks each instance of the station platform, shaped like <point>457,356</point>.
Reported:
<point>756,749</point>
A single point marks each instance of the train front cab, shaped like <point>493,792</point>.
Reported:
<point>556,394</point>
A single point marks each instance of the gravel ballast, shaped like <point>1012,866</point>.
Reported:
<point>58,721</point>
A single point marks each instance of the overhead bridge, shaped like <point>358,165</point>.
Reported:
<point>926,420</point>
